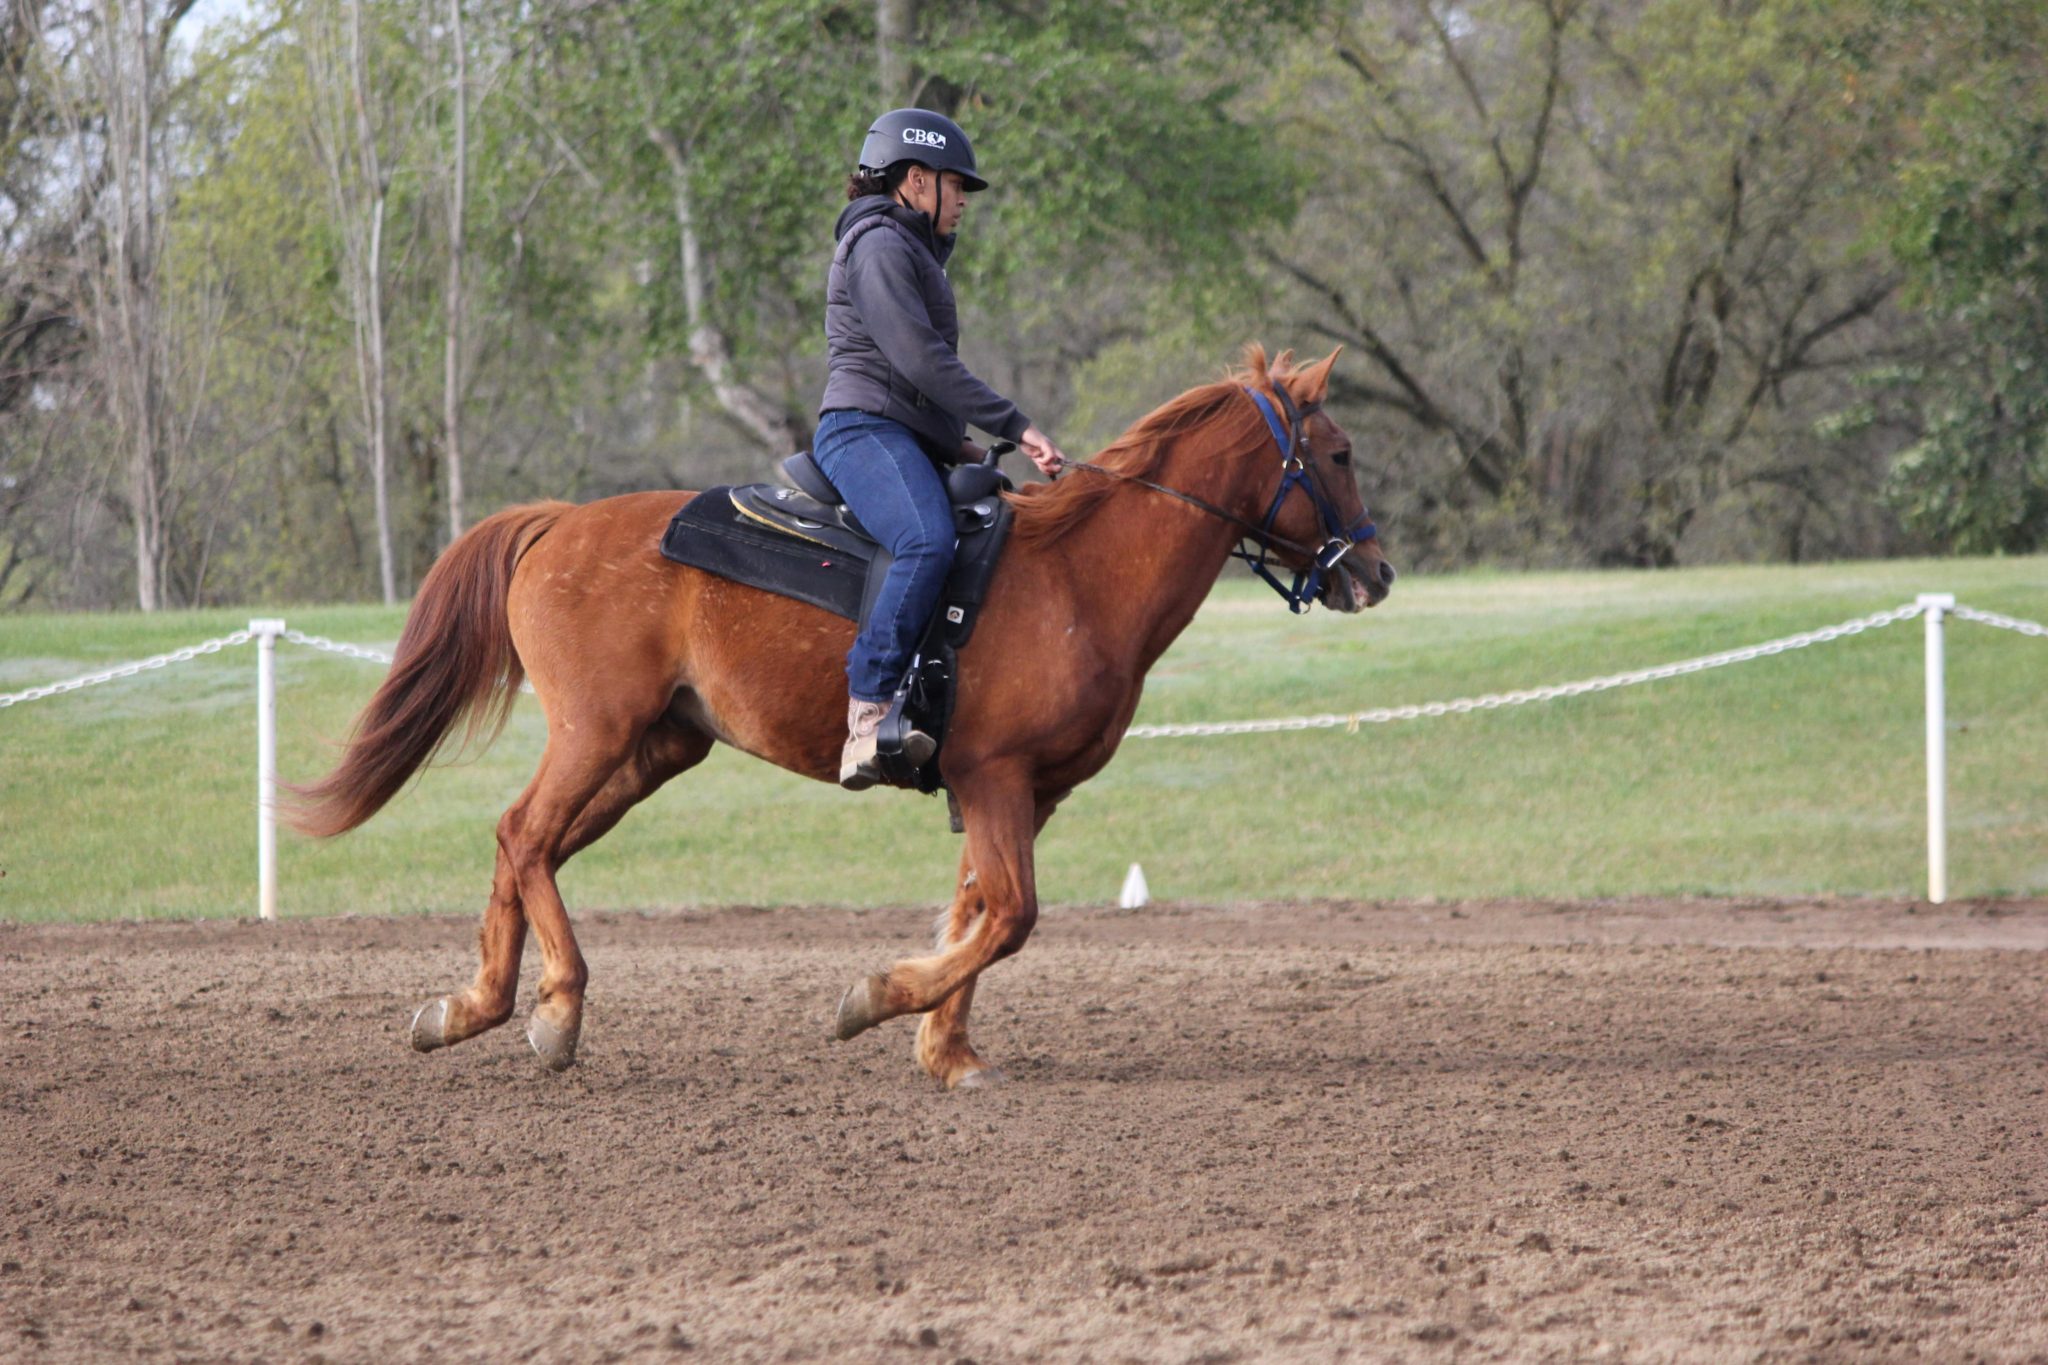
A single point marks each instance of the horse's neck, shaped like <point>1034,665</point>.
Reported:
<point>1157,556</point>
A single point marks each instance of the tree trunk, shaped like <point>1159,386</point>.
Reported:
<point>372,313</point>
<point>127,322</point>
<point>710,352</point>
<point>380,452</point>
<point>139,283</point>
<point>895,44</point>
<point>451,381</point>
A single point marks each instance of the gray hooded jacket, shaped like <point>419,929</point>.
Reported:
<point>891,329</point>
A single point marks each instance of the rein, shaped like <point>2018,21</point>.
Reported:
<point>1252,528</point>
<point>1296,472</point>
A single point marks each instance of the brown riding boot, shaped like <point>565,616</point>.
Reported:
<point>860,767</point>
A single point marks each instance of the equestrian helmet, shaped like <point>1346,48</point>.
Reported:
<point>924,137</point>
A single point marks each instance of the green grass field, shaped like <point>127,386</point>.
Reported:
<point>1797,774</point>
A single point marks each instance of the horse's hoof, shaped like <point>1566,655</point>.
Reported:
<point>860,1009</point>
<point>554,1045</point>
<point>430,1026</point>
<point>986,1078</point>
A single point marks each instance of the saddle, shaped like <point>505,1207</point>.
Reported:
<point>801,542</point>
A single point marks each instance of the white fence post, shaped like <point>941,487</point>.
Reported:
<point>1936,605</point>
<point>266,631</point>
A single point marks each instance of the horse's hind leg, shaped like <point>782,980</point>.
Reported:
<point>582,757</point>
<point>663,752</point>
<point>565,809</point>
<point>488,1001</point>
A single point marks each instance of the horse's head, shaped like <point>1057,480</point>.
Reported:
<point>1319,506</point>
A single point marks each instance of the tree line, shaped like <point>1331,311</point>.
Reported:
<point>289,297</point>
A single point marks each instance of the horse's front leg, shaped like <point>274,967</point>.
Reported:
<point>991,916</point>
<point>943,1049</point>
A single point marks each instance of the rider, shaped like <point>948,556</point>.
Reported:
<point>898,399</point>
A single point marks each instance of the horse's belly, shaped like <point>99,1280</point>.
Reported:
<point>765,674</point>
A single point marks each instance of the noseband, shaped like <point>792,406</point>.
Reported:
<point>1295,472</point>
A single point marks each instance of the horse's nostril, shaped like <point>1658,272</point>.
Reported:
<point>1386,574</point>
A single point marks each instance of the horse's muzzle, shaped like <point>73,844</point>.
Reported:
<point>1353,585</point>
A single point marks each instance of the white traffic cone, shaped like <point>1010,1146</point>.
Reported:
<point>1135,892</point>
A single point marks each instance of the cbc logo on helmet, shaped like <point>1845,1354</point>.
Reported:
<point>923,137</point>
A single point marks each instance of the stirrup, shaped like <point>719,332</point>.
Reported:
<point>897,735</point>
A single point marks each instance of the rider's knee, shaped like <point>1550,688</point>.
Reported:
<point>926,545</point>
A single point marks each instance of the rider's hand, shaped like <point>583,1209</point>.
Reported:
<point>1048,457</point>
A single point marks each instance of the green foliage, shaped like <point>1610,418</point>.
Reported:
<point>753,97</point>
<point>1112,132</point>
<point>1107,131</point>
<point>1620,282</point>
<point>1970,226</point>
<point>1597,265</point>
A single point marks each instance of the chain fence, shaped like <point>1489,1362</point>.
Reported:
<point>118,671</point>
<point>1349,721</point>
<point>1992,618</point>
<point>186,655</point>
<point>319,642</point>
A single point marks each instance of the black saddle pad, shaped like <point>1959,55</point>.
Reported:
<point>781,541</point>
<point>821,565</point>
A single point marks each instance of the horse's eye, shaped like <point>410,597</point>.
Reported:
<point>1341,458</point>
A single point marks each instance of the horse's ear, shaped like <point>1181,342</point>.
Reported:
<point>1255,359</point>
<point>1315,380</point>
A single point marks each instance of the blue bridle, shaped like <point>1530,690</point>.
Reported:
<point>1297,472</point>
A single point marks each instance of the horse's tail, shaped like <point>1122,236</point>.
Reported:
<point>455,661</point>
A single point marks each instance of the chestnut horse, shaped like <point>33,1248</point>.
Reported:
<point>642,664</point>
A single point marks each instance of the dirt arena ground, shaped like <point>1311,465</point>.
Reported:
<point>1701,1131</point>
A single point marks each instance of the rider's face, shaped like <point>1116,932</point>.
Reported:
<point>951,197</point>
<point>952,202</point>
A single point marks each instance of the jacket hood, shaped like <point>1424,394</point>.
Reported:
<point>919,225</point>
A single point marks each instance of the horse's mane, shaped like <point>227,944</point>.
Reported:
<point>1047,511</point>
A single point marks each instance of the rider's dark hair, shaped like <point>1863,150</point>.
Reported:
<point>864,182</point>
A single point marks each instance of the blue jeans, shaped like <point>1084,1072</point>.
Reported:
<point>892,486</point>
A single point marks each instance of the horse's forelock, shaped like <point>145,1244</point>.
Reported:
<point>1255,364</point>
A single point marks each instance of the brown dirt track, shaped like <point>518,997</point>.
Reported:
<point>1638,1131</point>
